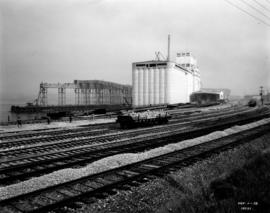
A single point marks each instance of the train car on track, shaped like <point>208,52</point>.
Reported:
<point>131,119</point>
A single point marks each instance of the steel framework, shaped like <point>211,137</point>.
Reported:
<point>87,92</point>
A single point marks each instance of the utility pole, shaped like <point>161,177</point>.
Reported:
<point>261,93</point>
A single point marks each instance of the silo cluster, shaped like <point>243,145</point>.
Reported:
<point>163,82</point>
<point>149,83</point>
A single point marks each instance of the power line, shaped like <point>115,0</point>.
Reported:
<point>254,8</point>
<point>262,5</point>
<point>258,19</point>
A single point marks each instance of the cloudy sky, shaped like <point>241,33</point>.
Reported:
<point>63,40</point>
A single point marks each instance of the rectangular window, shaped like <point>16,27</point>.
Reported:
<point>140,65</point>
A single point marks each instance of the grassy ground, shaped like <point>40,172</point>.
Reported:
<point>222,183</point>
<point>245,189</point>
<point>233,186</point>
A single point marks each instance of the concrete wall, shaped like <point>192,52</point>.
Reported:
<point>156,83</point>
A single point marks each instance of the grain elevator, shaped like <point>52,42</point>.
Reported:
<point>160,82</point>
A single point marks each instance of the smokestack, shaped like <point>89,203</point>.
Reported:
<point>169,45</point>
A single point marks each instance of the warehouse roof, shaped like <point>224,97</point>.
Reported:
<point>154,63</point>
<point>204,92</point>
<point>217,90</point>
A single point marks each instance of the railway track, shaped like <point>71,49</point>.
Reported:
<point>86,132</point>
<point>25,167</point>
<point>51,132</point>
<point>102,184</point>
<point>91,140</point>
<point>57,131</point>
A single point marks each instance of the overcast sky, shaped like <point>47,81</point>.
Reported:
<point>63,40</point>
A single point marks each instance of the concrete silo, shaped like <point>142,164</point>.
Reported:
<point>159,82</point>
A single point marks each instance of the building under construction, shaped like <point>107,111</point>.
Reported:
<point>89,94</point>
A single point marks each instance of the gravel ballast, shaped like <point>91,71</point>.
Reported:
<point>115,161</point>
<point>62,124</point>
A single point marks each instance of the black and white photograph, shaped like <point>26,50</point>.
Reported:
<point>134,106</point>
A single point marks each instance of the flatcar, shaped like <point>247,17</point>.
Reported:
<point>131,119</point>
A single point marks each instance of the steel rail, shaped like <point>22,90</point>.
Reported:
<point>62,194</point>
<point>56,131</point>
<point>25,167</point>
<point>48,141</point>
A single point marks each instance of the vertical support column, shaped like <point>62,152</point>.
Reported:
<point>77,96</point>
<point>98,95</point>
<point>43,96</point>
<point>90,96</point>
<point>84,97</point>
<point>61,96</point>
<point>60,101</point>
<point>94,96</point>
<point>101,95</point>
<point>110,95</point>
<point>122,96</point>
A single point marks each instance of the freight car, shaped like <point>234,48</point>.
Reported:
<point>131,119</point>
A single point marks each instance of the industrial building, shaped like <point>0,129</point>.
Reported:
<point>205,97</point>
<point>95,92</point>
<point>224,93</point>
<point>208,96</point>
<point>88,92</point>
<point>160,82</point>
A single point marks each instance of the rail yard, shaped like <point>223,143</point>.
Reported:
<point>98,115</point>
<point>48,169</point>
